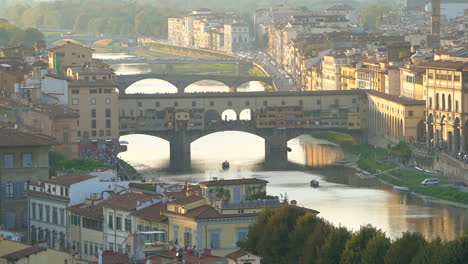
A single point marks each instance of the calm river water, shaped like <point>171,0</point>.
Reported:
<point>343,198</point>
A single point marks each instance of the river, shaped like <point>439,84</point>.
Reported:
<point>342,198</point>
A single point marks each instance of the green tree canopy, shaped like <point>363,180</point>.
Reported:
<point>356,245</point>
<point>404,249</point>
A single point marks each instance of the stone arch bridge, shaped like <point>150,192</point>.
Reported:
<point>276,117</point>
<point>86,40</point>
<point>182,81</point>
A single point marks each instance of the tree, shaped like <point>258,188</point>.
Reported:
<point>305,225</point>
<point>315,242</point>
<point>375,250</point>
<point>32,35</point>
<point>357,244</point>
<point>404,249</point>
<point>434,252</point>
<point>333,246</point>
<point>256,231</point>
<point>274,243</point>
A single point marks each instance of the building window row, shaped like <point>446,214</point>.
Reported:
<point>9,160</point>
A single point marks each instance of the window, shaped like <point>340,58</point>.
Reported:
<point>47,214</point>
<point>283,102</point>
<point>188,238</point>
<point>108,91</point>
<point>62,216</point>
<point>140,104</point>
<point>9,192</point>
<point>319,102</point>
<point>211,103</point>
<point>86,247</point>
<point>65,137</point>
<point>92,224</point>
<point>93,91</point>
<point>40,208</point>
<point>27,160</point>
<point>75,220</point>
<point>108,101</point>
<point>194,104</point>
<point>215,239</point>
<point>128,225</point>
<point>265,103</point>
<point>118,222</point>
<point>108,113</point>
<point>247,103</point>
<point>176,103</point>
<point>157,104</point>
<point>33,210</point>
<point>75,101</point>
<point>93,113</point>
<point>110,221</point>
<point>93,101</point>
<point>242,234</point>
<point>176,235</point>
<point>8,161</point>
<point>94,133</point>
<point>410,113</point>
<point>301,102</point>
<point>456,105</point>
<point>75,91</point>
<point>54,215</point>
<point>108,133</point>
<point>93,123</point>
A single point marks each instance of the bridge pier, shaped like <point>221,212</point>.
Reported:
<point>276,150</point>
<point>180,154</point>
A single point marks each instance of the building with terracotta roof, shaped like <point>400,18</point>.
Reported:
<point>18,253</point>
<point>394,118</point>
<point>24,158</point>
<point>235,190</point>
<point>68,55</point>
<point>411,82</point>
<point>185,256</point>
<point>128,214</point>
<point>57,121</point>
<point>243,257</point>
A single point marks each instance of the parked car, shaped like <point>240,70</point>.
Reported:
<point>430,181</point>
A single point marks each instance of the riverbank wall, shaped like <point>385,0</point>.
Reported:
<point>446,166</point>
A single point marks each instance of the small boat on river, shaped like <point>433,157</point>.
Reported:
<point>314,183</point>
<point>402,189</point>
<point>225,165</point>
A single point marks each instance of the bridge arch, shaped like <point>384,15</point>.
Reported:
<point>229,115</point>
<point>247,86</point>
<point>247,115</point>
<point>192,88</point>
<point>144,86</point>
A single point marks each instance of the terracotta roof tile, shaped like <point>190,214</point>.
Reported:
<point>17,255</point>
<point>187,200</point>
<point>446,64</point>
<point>127,201</point>
<point>152,212</point>
<point>15,138</point>
<point>89,211</point>
<point>396,99</point>
<point>69,179</point>
<point>233,182</point>
<point>56,111</point>
<point>237,254</point>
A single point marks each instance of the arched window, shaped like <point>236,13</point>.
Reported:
<point>443,102</point>
<point>449,103</point>
<point>437,101</point>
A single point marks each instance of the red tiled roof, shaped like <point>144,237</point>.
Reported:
<point>396,99</point>
<point>111,257</point>
<point>447,64</point>
<point>26,252</point>
<point>207,212</point>
<point>69,179</point>
<point>89,211</point>
<point>237,254</point>
<point>187,200</point>
<point>127,201</point>
<point>188,255</point>
<point>15,138</point>
<point>233,182</point>
<point>152,212</point>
